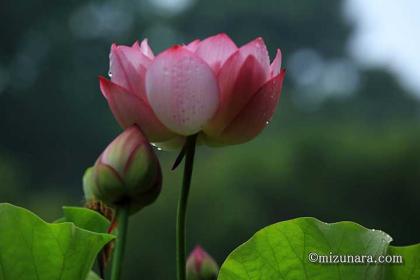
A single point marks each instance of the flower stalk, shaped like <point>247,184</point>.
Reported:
<point>182,207</point>
<point>122,225</point>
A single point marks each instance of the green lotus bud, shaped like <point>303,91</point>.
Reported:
<point>88,184</point>
<point>201,266</point>
<point>127,173</point>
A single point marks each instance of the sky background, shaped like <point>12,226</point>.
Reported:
<point>387,34</point>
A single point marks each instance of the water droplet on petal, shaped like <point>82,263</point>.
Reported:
<point>156,146</point>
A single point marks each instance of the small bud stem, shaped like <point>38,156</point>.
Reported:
<point>182,207</point>
<point>117,259</point>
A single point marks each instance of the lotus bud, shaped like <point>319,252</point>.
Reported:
<point>88,184</point>
<point>90,201</point>
<point>126,174</point>
<point>201,266</point>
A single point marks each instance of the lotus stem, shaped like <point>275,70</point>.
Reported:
<point>182,208</point>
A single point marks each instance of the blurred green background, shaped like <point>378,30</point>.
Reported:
<point>344,143</point>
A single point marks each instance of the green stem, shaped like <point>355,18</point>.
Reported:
<point>117,259</point>
<point>182,207</point>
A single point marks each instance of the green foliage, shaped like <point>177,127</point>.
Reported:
<point>33,249</point>
<point>86,219</point>
<point>93,276</point>
<point>410,270</point>
<point>282,250</point>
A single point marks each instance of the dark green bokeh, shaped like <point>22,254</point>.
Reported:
<point>346,158</point>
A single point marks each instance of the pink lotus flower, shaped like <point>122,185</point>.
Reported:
<point>225,93</point>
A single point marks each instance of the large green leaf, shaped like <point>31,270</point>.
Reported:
<point>93,276</point>
<point>85,218</point>
<point>31,249</point>
<point>410,270</point>
<point>282,250</point>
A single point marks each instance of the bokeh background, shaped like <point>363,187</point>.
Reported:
<point>344,143</point>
